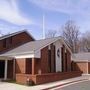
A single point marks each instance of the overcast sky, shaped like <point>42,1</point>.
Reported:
<point>17,15</point>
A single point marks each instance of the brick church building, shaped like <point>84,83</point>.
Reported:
<point>23,58</point>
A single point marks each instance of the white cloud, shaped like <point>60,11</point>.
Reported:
<point>65,6</point>
<point>4,28</point>
<point>10,12</point>
<point>77,10</point>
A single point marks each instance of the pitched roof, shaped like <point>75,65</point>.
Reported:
<point>81,57</point>
<point>33,46</point>
<point>15,33</point>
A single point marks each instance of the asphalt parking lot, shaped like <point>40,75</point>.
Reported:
<point>76,86</point>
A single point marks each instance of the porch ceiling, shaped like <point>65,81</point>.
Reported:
<point>6,58</point>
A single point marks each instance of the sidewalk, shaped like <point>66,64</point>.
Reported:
<point>12,86</point>
<point>62,82</point>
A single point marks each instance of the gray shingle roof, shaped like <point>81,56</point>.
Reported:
<point>81,57</point>
<point>32,46</point>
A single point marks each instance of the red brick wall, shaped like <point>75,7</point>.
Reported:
<point>46,78</point>
<point>40,79</point>
<point>10,69</point>
<point>22,78</point>
<point>44,60</point>
<point>16,41</point>
<point>25,65</point>
<point>45,68</point>
<point>80,66</point>
<point>68,60</point>
<point>21,65</point>
<point>21,38</point>
<point>28,66</point>
<point>41,64</point>
<point>37,65</point>
<point>53,58</point>
<point>63,59</point>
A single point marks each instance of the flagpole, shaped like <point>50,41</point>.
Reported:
<point>43,26</point>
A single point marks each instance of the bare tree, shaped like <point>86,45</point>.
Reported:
<point>51,33</point>
<point>70,31</point>
<point>85,42</point>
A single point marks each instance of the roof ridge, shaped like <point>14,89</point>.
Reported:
<point>15,33</point>
<point>12,33</point>
<point>48,38</point>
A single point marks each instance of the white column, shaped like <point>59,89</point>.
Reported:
<point>5,71</point>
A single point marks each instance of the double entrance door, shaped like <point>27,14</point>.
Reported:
<point>2,68</point>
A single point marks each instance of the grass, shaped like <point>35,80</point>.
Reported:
<point>13,81</point>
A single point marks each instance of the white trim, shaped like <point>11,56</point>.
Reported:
<point>58,39</point>
<point>5,58</point>
<point>5,71</point>
<point>66,45</point>
<point>58,59</point>
<point>24,56</point>
<point>81,61</point>
<point>13,54</point>
<point>36,55</point>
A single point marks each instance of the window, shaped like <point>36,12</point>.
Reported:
<point>66,62</point>
<point>4,43</point>
<point>58,53</point>
<point>49,60</point>
<point>62,59</point>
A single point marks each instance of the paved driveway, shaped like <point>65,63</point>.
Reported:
<point>76,86</point>
<point>85,85</point>
<point>11,86</point>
